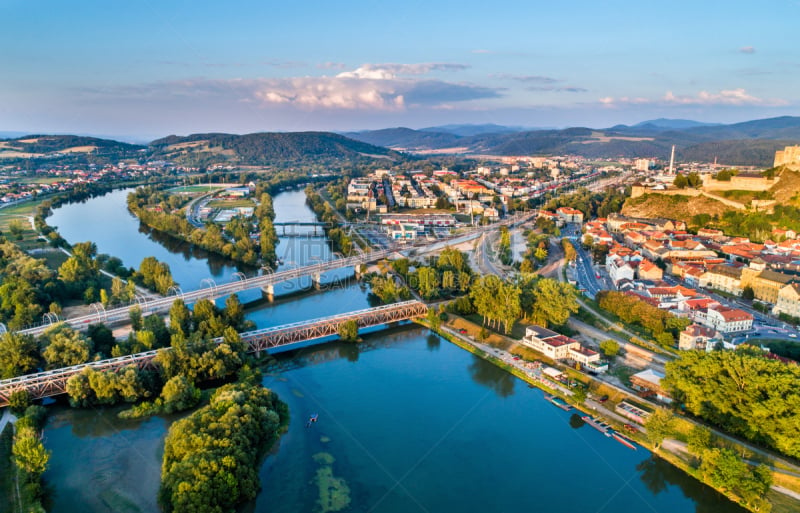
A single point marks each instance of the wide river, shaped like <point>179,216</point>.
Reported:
<point>407,421</point>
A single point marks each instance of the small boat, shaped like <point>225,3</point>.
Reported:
<point>624,440</point>
<point>597,424</point>
<point>312,418</point>
<point>558,402</point>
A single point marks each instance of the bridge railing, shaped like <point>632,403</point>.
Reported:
<point>53,382</point>
<point>334,319</point>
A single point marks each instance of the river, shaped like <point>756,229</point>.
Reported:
<point>407,422</point>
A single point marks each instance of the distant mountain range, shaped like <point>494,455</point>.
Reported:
<point>265,148</point>
<point>199,149</point>
<point>748,143</point>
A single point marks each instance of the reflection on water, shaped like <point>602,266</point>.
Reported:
<point>433,342</point>
<point>405,417</point>
<point>575,421</point>
<point>658,476</point>
<point>390,410</point>
<point>492,376</point>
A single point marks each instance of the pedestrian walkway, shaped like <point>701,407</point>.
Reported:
<point>6,418</point>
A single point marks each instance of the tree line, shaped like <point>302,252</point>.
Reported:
<point>446,275</point>
<point>630,309</point>
<point>159,210</point>
<point>712,461</point>
<point>592,204</point>
<point>211,458</point>
<point>340,240</point>
<point>743,393</point>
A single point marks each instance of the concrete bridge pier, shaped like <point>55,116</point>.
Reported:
<point>316,280</point>
<point>268,292</point>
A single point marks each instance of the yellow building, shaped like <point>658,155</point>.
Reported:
<point>766,284</point>
<point>788,301</point>
<point>789,156</point>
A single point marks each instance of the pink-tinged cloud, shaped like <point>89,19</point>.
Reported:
<point>371,87</point>
<point>725,97</point>
<point>734,97</point>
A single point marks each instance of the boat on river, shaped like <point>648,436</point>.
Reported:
<point>558,402</point>
<point>624,440</point>
<point>597,424</point>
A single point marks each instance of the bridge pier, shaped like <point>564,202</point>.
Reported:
<point>316,280</point>
<point>268,292</point>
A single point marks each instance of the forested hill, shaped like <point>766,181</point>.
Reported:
<point>66,148</point>
<point>747,143</point>
<point>264,148</point>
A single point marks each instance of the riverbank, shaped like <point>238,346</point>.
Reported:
<point>783,499</point>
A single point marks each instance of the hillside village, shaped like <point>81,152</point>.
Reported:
<point>660,261</point>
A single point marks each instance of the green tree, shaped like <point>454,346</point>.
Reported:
<point>680,181</point>
<point>18,355</point>
<point>65,347</point>
<point>102,339</point>
<point>428,282</point>
<point>135,314</point>
<point>19,401</point>
<point>179,394</point>
<point>348,331</point>
<point>29,452</point>
<point>180,318</point>
<point>554,302</point>
<point>610,348</point>
<point>748,293</point>
<point>699,440</point>
<point>660,425</point>
<point>433,318</point>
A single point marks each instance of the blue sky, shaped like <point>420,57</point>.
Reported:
<point>147,68</point>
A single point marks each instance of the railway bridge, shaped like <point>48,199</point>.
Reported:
<point>274,339</point>
<point>212,291</point>
<point>265,282</point>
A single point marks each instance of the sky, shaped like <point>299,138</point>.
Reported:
<point>143,69</point>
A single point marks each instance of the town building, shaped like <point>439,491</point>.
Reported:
<point>569,215</point>
<point>560,347</point>
<point>648,383</point>
<point>695,336</point>
<point>788,301</point>
<point>725,278</point>
<point>766,283</point>
<point>728,320</point>
<point>789,156</point>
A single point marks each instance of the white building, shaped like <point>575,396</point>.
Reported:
<point>728,320</point>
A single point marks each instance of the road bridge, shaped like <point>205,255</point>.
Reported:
<point>265,282</point>
<point>292,225</point>
<point>54,382</point>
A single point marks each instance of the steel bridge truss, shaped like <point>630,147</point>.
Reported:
<point>269,338</point>
<point>54,382</point>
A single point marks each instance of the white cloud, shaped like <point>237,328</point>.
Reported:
<point>534,79</point>
<point>392,70</point>
<point>725,97</point>
<point>736,97</point>
<point>747,49</point>
<point>331,65</point>
<point>376,87</point>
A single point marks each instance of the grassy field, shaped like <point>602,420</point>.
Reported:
<point>41,179</point>
<point>22,212</point>
<point>236,203</point>
<point>190,189</point>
